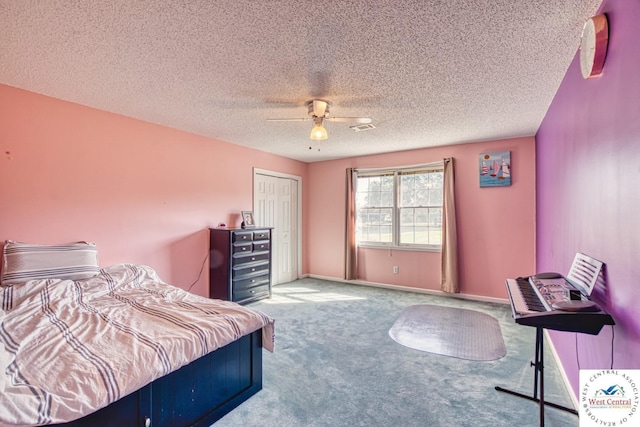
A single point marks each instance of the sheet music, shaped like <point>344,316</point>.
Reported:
<point>584,273</point>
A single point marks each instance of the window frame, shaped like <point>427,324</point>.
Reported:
<point>396,209</point>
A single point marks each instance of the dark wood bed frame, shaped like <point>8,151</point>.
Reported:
<point>197,394</point>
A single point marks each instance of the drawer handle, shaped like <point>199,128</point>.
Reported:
<point>244,249</point>
<point>253,258</point>
<point>253,269</point>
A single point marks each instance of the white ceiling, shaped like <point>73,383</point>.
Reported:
<point>428,73</point>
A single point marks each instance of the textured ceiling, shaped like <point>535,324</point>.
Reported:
<point>427,73</point>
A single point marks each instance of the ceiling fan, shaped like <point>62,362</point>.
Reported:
<point>318,110</point>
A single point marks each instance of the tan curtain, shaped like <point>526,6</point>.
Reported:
<point>449,232</point>
<point>351,259</point>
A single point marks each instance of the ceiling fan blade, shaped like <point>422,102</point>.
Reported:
<point>361,120</point>
<point>300,119</point>
<point>319,107</point>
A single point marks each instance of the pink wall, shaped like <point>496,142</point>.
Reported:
<point>496,226</point>
<point>588,150</point>
<point>146,194</point>
<point>143,193</point>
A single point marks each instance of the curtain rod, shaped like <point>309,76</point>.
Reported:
<point>389,168</point>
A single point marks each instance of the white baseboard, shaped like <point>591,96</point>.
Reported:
<point>565,379</point>
<point>410,289</point>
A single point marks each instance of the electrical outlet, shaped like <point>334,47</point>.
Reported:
<point>395,269</point>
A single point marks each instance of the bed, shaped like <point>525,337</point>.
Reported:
<point>118,346</point>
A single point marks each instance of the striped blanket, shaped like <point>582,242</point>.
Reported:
<point>69,348</point>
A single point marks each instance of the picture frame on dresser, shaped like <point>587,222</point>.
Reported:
<point>247,219</point>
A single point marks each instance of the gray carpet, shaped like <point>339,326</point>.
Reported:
<point>335,365</point>
<point>449,331</point>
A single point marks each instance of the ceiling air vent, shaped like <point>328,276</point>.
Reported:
<point>359,128</point>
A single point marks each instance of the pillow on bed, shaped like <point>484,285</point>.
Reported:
<point>24,261</point>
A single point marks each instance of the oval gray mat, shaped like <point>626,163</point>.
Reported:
<point>454,332</point>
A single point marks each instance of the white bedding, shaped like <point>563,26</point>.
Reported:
<point>69,348</point>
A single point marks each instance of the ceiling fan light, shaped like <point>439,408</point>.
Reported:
<point>318,133</point>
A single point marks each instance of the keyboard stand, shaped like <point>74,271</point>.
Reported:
<point>538,379</point>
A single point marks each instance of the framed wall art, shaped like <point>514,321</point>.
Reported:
<point>495,169</point>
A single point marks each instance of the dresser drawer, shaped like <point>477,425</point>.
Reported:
<point>261,235</point>
<point>249,269</point>
<point>249,282</point>
<point>243,258</point>
<point>242,247</point>
<point>242,236</point>
<point>251,293</point>
<point>261,246</point>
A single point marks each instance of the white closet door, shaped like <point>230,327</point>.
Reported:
<point>276,205</point>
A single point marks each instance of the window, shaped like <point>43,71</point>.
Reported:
<point>400,208</point>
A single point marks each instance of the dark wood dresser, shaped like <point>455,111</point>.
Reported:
<point>240,264</point>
